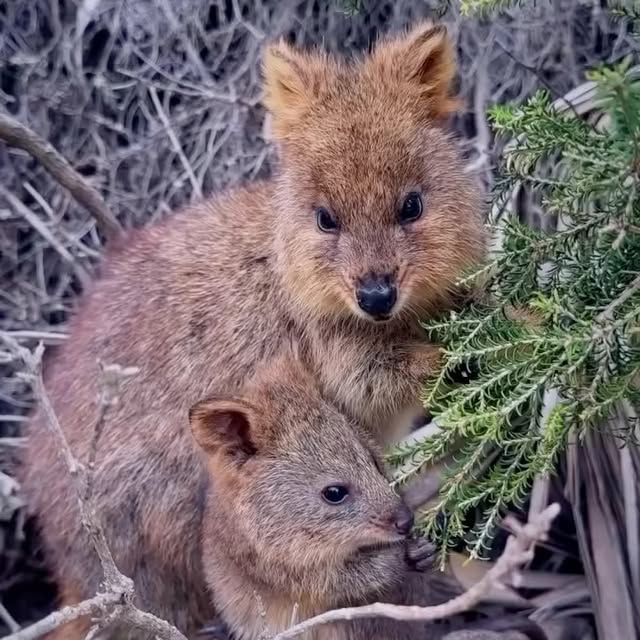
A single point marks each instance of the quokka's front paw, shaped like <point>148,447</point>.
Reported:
<point>420,554</point>
<point>419,419</point>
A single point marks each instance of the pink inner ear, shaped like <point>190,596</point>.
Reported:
<point>234,431</point>
<point>224,425</point>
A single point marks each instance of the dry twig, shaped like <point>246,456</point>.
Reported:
<point>95,606</point>
<point>17,135</point>
<point>8,619</point>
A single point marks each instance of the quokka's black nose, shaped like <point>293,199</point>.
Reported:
<point>377,295</point>
<point>403,521</point>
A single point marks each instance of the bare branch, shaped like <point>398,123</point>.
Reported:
<point>17,135</point>
<point>46,233</point>
<point>147,622</point>
<point>118,588</point>
<point>518,551</point>
<point>95,606</point>
<point>101,605</point>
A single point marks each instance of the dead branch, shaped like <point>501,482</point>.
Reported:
<point>518,551</point>
<point>17,135</point>
<point>143,621</point>
<point>118,595</point>
<point>35,221</point>
<point>101,605</point>
<point>96,606</point>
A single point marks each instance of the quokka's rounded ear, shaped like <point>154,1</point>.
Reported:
<point>292,79</point>
<point>422,59</point>
<point>226,426</point>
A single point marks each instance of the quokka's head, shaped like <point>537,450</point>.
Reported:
<point>300,486</point>
<point>375,215</point>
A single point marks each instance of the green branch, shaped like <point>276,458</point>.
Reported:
<point>564,315</point>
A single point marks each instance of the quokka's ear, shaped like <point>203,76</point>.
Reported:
<point>422,59</point>
<point>225,426</point>
<point>292,79</point>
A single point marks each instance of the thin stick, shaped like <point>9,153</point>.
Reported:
<point>17,135</point>
<point>175,142</point>
<point>46,233</point>
<point>7,618</point>
<point>95,606</point>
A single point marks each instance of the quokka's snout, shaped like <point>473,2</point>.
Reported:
<point>377,295</point>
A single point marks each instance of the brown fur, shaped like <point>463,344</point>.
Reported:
<point>198,301</point>
<point>355,138</point>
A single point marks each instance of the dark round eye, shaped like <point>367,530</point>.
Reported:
<point>411,208</point>
<point>326,222</point>
<point>335,493</point>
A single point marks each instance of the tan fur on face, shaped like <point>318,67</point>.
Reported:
<point>356,136</point>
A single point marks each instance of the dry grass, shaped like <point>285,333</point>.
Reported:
<point>157,102</point>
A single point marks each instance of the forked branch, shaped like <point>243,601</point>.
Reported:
<point>116,600</point>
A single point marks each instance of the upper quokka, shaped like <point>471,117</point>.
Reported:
<point>285,505</point>
<point>365,227</point>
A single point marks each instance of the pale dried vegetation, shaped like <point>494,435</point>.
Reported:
<point>156,102</point>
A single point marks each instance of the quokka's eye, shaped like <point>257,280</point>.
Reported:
<point>335,493</point>
<point>411,208</point>
<point>326,222</point>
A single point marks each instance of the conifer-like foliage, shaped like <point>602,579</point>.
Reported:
<point>553,350</point>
